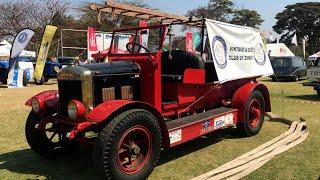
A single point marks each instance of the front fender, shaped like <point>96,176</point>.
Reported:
<point>243,93</point>
<point>50,98</point>
<point>106,111</point>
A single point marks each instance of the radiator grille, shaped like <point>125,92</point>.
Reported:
<point>126,93</point>
<point>108,94</point>
<point>68,90</point>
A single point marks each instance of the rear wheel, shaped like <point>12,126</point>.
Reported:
<point>253,114</point>
<point>4,81</point>
<point>41,82</point>
<point>45,142</point>
<point>129,146</point>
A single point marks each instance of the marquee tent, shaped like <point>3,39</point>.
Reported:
<point>279,50</point>
<point>314,56</point>
<point>5,48</point>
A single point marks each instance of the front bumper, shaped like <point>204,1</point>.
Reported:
<point>69,128</point>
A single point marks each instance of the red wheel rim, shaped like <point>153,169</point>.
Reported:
<point>134,149</point>
<point>254,113</point>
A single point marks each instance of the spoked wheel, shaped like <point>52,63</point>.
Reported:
<point>134,149</point>
<point>253,114</point>
<point>129,146</point>
<point>46,142</point>
<point>53,134</point>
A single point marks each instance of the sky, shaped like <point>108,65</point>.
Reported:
<point>267,8</point>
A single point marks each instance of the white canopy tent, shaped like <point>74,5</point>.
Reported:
<point>5,48</point>
<point>279,50</point>
<point>314,56</point>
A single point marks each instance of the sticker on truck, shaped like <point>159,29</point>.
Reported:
<point>175,136</point>
<point>217,123</point>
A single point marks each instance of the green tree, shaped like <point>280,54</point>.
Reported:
<point>302,19</point>
<point>220,10</point>
<point>224,10</point>
<point>247,17</point>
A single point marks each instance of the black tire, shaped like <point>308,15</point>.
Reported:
<point>318,92</point>
<point>45,79</point>
<point>41,82</point>
<point>274,79</point>
<point>4,81</point>
<point>40,142</point>
<point>248,127</point>
<point>25,79</point>
<point>105,152</point>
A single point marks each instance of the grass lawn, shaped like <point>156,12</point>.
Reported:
<point>17,161</point>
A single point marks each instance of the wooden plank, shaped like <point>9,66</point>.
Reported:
<point>134,11</point>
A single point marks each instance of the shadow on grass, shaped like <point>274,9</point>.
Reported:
<point>75,166</point>
<point>198,144</point>
<point>309,97</point>
<point>80,166</point>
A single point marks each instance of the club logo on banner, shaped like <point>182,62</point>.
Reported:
<point>23,37</point>
<point>238,52</point>
<point>219,51</point>
<point>260,55</point>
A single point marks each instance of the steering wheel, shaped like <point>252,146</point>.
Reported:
<point>132,50</point>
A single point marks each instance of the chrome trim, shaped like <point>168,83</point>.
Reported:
<point>78,73</point>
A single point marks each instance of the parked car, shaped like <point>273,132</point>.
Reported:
<point>288,68</point>
<point>4,65</point>
<point>314,75</point>
<point>50,67</point>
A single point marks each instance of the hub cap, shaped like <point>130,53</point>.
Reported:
<point>134,149</point>
<point>254,113</point>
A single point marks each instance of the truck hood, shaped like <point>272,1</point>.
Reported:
<point>116,67</point>
<point>96,69</point>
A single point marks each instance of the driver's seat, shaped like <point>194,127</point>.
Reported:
<point>173,69</point>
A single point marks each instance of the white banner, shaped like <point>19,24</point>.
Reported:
<point>238,52</point>
<point>104,42</point>
<point>28,68</point>
<point>20,42</point>
<point>15,78</point>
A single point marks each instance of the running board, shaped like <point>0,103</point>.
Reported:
<point>191,127</point>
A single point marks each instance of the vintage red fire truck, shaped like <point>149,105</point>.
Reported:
<point>139,103</point>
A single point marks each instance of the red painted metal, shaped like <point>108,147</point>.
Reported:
<point>243,93</point>
<point>79,128</point>
<point>201,128</point>
<point>81,110</point>
<point>134,149</point>
<point>104,110</point>
<point>254,113</point>
<point>46,95</point>
<point>194,76</point>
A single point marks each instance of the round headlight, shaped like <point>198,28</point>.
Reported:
<point>35,105</point>
<point>72,110</point>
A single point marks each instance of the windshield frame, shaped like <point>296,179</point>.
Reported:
<point>137,29</point>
